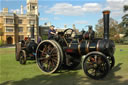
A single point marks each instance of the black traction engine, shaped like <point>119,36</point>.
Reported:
<point>67,49</point>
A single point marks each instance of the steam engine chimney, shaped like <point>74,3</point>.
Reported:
<point>106,24</point>
<point>32,32</point>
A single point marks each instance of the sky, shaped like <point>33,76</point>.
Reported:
<point>78,12</point>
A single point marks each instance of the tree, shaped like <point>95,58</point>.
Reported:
<point>113,28</point>
<point>1,33</point>
<point>125,8</point>
<point>124,22</point>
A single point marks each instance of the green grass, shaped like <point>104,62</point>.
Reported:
<point>12,73</point>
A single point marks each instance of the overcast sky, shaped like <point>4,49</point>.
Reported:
<point>78,12</point>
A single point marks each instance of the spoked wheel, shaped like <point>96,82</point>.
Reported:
<point>22,57</point>
<point>111,61</point>
<point>96,65</point>
<point>18,49</point>
<point>48,57</point>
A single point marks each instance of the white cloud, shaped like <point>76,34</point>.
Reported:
<point>15,10</point>
<point>91,7</point>
<point>43,19</point>
<point>115,0</point>
<point>117,13</point>
<point>71,10</point>
<point>56,18</point>
<point>65,9</point>
<point>116,7</point>
<point>81,22</point>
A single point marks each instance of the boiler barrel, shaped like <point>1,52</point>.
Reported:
<point>87,46</point>
<point>84,47</point>
<point>105,46</point>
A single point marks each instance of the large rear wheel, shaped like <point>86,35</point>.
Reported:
<point>48,56</point>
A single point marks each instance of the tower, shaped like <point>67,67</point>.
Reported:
<point>21,9</point>
<point>32,7</point>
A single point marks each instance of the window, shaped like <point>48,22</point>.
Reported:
<point>9,29</point>
<point>9,21</point>
<point>32,22</point>
<point>29,29</point>
<point>20,21</point>
<point>33,7</point>
<point>20,29</point>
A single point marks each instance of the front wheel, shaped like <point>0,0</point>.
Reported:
<point>96,65</point>
<point>111,61</point>
<point>22,57</point>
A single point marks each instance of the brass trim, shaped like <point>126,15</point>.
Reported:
<point>97,46</point>
<point>79,49</point>
<point>106,12</point>
<point>69,45</point>
<point>66,41</point>
<point>87,48</point>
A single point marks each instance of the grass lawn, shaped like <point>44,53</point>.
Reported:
<point>12,73</point>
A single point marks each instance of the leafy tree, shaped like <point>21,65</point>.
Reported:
<point>124,25</point>
<point>124,22</point>
<point>125,8</point>
<point>113,28</point>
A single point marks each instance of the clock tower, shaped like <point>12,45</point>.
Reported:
<point>32,7</point>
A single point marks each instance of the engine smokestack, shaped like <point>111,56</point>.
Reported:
<point>32,32</point>
<point>106,23</point>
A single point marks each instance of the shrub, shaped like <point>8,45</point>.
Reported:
<point>1,42</point>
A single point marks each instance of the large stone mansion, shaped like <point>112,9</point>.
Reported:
<point>15,27</point>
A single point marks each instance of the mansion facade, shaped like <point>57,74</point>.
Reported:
<point>15,27</point>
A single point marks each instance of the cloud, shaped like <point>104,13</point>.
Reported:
<point>71,10</point>
<point>15,10</point>
<point>44,19</point>
<point>81,22</point>
<point>56,18</point>
<point>116,7</point>
<point>67,9</point>
<point>91,7</point>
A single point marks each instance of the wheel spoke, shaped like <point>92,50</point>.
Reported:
<point>52,50</point>
<point>42,58</point>
<point>53,54</point>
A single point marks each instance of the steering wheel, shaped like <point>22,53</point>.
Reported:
<point>69,34</point>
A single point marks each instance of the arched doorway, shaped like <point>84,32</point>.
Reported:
<point>9,40</point>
